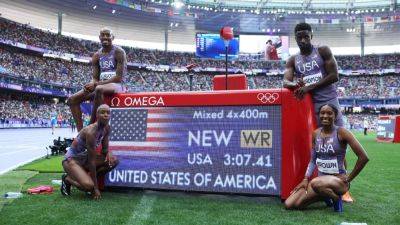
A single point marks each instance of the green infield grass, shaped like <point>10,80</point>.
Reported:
<point>376,191</point>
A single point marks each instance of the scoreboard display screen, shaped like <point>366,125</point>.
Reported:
<point>386,128</point>
<point>227,149</point>
<point>212,46</point>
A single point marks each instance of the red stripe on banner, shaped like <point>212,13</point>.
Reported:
<point>158,110</point>
<point>161,139</point>
<point>136,148</point>
<point>164,120</point>
<point>160,129</point>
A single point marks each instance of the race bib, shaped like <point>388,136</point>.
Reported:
<point>312,79</point>
<point>107,75</point>
<point>329,166</point>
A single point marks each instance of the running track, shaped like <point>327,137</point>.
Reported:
<point>20,146</point>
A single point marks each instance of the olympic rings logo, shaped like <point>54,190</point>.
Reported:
<point>267,97</point>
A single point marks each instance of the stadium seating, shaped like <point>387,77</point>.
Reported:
<point>27,69</point>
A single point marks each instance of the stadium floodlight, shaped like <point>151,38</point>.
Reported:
<point>178,4</point>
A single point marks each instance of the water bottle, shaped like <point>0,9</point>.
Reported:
<point>13,195</point>
<point>56,182</point>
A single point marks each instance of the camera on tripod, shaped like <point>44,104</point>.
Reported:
<point>60,146</point>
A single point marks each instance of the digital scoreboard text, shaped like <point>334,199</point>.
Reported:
<point>229,149</point>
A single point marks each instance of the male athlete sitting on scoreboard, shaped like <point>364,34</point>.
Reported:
<point>317,72</point>
<point>109,67</point>
<point>329,143</point>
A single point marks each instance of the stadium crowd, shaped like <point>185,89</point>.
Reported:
<point>32,69</point>
<point>41,69</point>
<point>356,121</point>
<point>19,110</point>
<point>28,35</point>
<point>74,74</point>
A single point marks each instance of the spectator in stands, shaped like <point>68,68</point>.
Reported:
<point>366,125</point>
<point>270,51</point>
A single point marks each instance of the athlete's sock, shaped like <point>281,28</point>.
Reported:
<point>338,205</point>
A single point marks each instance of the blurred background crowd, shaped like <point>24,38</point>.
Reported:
<point>29,70</point>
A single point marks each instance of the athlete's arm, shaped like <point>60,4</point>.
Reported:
<point>331,69</point>
<point>120,57</point>
<point>289,74</point>
<point>95,75</point>
<point>310,167</point>
<point>311,164</point>
<point>109,158</point>
<point>90,136</point>
<point>105,141</point>
<point>362,158</point>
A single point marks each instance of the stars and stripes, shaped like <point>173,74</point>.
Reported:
<point>128,125</point>
<point>141,129</point>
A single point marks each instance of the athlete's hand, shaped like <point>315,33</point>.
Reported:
<point>344,178</point>
<point>303,184</point>
<point>96,194</point>
<point>111,160</point>
<point>301,92</point>
<point>300,83</point>
<point>89,87</point>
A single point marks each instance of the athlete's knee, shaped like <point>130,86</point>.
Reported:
<point>317,185</point>
<point>99,90</point>
<point>65,165</point>
<point>288,205</point>
<point>72,100</point>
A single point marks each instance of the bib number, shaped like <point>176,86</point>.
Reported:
<point>106,75</point>
<point>312,79</point>
<point>329,166</point>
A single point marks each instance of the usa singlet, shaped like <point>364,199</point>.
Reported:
<point>311,69</point>
<point>328,155</point>
<point>108,64</point>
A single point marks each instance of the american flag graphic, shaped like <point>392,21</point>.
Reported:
<point>141,129</point>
